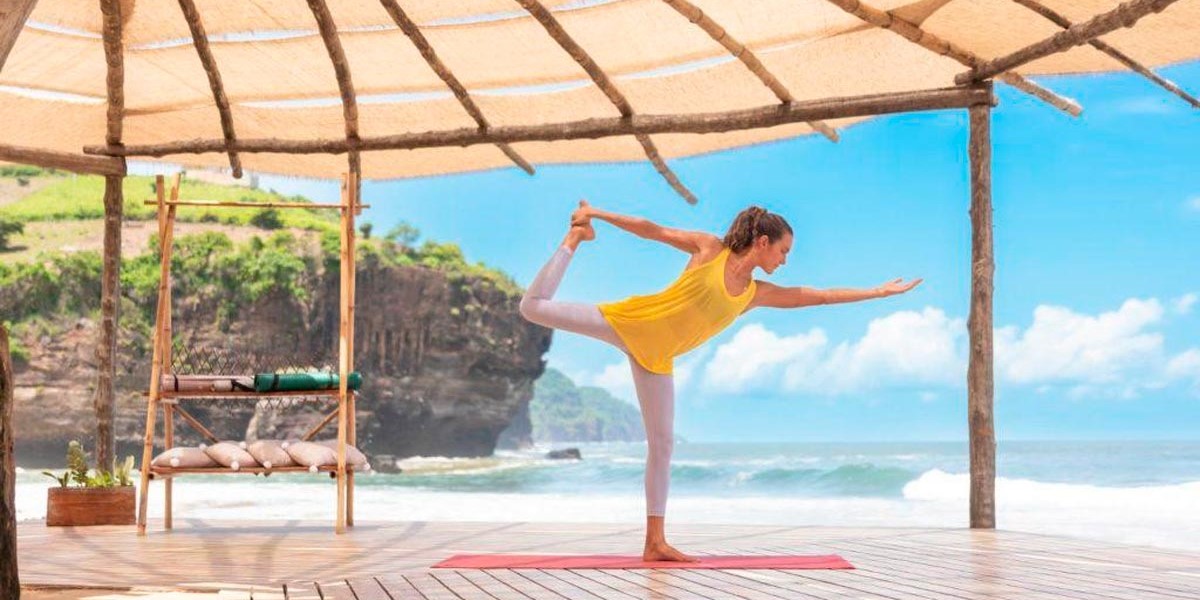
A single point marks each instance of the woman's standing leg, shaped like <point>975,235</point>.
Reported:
<point>656,395</point>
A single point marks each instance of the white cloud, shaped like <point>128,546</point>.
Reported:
<point>1192,204</point>
<point>1186,366</point>
<point>616,378</point>
<point>1062,346</point>
<point>904,348</point>
<point>1113,354</point>
<point>1183,304</point>
<point>756,356</point>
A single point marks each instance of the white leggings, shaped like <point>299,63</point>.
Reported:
<point>656,393</point>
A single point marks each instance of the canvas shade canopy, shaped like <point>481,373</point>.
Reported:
<point>662,57</point>
<point>404,88</point>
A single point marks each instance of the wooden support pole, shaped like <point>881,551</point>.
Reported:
<point>10,584</point>
<point>106,344</point>
<point>168,484</point>
<point>168,350</point>
<point>196,424</point>
<point>410,29</point>
<point>746,55</point>
<point>114,57</point>
<point>1117,55</point>
<point>76,163</point>
<point>600,78</point>
<point>351,397</point>
<point>345,340</point>
<point>153,400</point>
<point>13,14</point>
<point>1124,15</point>
<point>716,122</point>
<point>912,32</point>
<point>104,398</point>
<point>980,382</point>
<point>321,425</point>
<point>200,41</point>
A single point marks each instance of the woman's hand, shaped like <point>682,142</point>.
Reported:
<point>897,286</point>
<point>583,214</point>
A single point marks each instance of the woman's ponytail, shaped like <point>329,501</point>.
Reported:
<point>752,223</point>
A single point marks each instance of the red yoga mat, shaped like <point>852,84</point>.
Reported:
<point>609,561</point>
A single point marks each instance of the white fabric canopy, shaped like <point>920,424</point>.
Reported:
<point>280,81</point>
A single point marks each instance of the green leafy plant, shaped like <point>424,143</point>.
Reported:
<point>62,480</point>
<point>80,475</point>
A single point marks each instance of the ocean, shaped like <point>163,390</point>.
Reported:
<point>1131,492</point>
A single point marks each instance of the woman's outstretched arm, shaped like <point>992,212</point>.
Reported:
<point>692,242</point>
<point>774,296</point>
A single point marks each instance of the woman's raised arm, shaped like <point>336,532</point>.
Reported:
<point>692,242</point>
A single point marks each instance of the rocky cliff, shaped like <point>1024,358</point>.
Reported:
<point>447,360</point>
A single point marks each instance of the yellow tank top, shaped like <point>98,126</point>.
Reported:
<point>659,327</point>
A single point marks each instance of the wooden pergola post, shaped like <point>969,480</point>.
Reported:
<point>980,384</point>
<point>350,188</point>
<point>10,584</point>
<point>106,343</point>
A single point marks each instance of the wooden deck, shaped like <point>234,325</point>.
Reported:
<point>389,561</point>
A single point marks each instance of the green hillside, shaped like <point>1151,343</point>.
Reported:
<point>562,412</point>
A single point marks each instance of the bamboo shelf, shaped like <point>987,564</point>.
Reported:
<point>168,401</point>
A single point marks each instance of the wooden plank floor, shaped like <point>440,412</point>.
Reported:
<point>390,561</point>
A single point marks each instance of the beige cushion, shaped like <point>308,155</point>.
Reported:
<point>271,453</point>
<point>354,456</point>
<point>183,457</point>
<point>312,455</point>
<point>231,454</point>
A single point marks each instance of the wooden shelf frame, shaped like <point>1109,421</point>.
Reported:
<point>168,401</point>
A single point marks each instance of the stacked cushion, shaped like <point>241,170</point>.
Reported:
<point>354,456</point>
<point>271,453</point>
<point>182,457</point>
<point>231,454</point>
<point>311,455</point>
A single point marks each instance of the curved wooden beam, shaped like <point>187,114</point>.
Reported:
<point>716,122</point>
<point>746,55</point>
<point>1124,15</point>
<point>341,69</point>
<point>600,78</point>
<point>200,41</point>
<point>409,27</point>
<point>913,33</point>
<point>1119,56</point>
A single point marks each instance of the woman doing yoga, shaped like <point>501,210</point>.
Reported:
<point>716,286</point>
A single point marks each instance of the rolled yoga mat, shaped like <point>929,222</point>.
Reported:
<point>207,383</point>
<point>298,382</point>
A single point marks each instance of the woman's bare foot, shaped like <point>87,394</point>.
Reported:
<point>579,234</point>
<point>664,551</point>
<point>582,215</point>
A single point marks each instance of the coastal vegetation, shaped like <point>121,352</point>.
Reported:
<point>563,412</point>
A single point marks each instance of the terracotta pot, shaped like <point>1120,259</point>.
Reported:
<point>89,506</point>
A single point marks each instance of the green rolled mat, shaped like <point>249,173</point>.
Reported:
<point>296,382</point>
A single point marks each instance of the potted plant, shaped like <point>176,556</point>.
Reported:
<point>90,497</point>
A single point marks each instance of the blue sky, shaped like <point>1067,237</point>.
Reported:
<point>1097,239</point>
